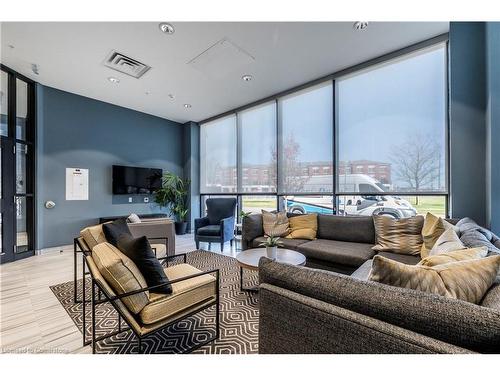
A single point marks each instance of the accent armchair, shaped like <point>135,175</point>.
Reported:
<point>218,225</point>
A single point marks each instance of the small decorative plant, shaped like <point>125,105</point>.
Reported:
<point>244,214</point>
<point>271,244</point>
<point>173,194</point>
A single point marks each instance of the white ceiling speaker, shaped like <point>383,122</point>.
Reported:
<point>247,78</point>
<point>360,25</point>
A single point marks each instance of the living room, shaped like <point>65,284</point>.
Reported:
<point>282,184</point>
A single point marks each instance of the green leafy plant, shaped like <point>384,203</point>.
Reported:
<point>244,214</point>
<point>272,241</point>
<point>173,195</point>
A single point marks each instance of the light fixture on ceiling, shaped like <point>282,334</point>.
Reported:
<point>166,28</point>
<point>171,96</point>
<point>360,25</point>
<point>247,78</point>
<point>11,46</point>
<point>35,69</point>
<point>187,105</point>
<point>147,92</point>
<point>113,80</point>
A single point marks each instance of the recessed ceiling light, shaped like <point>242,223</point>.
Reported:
<point>166,28</point>
<point>171,96</point>
<point>247,78</point>
<point>34,69</point>
<point>11,46</point>
<point>360,25</point>
<point>146,92</point>
<point>187,105</point>
<point>113,80</point>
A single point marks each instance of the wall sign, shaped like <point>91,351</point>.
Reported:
<point>77,184</point>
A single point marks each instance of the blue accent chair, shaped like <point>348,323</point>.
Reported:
<point>218,225</point>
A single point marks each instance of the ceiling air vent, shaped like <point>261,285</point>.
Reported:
<point>124,64</point>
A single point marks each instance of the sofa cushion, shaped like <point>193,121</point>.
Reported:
<point>468,280</point>
<point>140,252</point>
<point>346,228</point>
<point>185,294</point>
<point>275,223</point>
<point>403,236</point>
<point>348,253</point>
<point>121,274</point>
<point>209,230</point>
<point>402,258</point>
<point>454,256</point>
<point>287,243</point>
<point>93,235</point>
<point>303,227</point>
<point>433,228</point>
<point>492,297</point>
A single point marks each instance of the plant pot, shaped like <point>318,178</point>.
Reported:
<point>271,252</point>
<point>181,227</point>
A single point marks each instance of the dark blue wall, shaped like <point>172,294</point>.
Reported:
<point>493,122</point>
<point>75,131</point>
<point>468,120</point>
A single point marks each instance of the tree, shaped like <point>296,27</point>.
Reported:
<point>291,175</point>
<point>418,162</point>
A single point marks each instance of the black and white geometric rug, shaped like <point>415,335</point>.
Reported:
<point>239,316</point>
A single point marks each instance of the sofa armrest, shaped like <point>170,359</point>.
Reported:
<point>251,228</point>
<point>227,228</point>
<point>450,320</point>
<point>156,230</point>
<point>200,223</point>
<point>290,322</point>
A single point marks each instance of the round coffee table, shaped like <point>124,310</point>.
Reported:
<point>249,259</point>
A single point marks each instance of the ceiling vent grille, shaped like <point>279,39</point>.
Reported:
<point>124,64</point>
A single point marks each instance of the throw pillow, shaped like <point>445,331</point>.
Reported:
<point>140,252</point>
<point>434,227</point>
<point>134,218</point>
<point>93,235</point>
<point>454,256</point>
<point>275,224</point>
<point>303,227</point>
<point>112,231</point>
<point>467,280</point>
<point>447,242</point>
<point>402,236</point>
<point>122,275</point>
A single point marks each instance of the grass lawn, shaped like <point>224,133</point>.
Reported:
<point>434,205</point>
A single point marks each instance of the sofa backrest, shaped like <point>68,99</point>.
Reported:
<point>454,321</point>
<point>346,228</point>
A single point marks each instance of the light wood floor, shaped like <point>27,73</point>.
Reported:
<point>31,318</point>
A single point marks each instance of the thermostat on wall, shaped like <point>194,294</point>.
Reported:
<point>146,199</point>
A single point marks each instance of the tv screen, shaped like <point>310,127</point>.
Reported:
<point>133,180</point>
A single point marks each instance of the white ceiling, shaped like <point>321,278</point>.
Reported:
<point>278,55</point>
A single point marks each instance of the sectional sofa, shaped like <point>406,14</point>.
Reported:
<point>311,310</point>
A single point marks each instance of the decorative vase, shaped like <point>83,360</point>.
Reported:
<point>271,252</point>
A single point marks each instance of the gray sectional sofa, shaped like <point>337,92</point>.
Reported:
<point>343,244</point>
<point>310,310</point>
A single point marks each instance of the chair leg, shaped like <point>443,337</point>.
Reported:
<point>221,246</point>
<point>93,318</point>
<point>231,242</point>
<point>197,245</point>
<point>210,246</point>
<point>84,301</point>
<point>139,343</point>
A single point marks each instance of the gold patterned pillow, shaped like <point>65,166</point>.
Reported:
<point>467,280</point>
<point>433,228</point>
<point>402,236</point>
<point>454,256</point>
<point>275,224</point>
<point>303,227</point>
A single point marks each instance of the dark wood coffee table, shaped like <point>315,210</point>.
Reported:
<point>249,259</point>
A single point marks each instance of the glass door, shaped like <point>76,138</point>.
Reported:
<point>17,183</point>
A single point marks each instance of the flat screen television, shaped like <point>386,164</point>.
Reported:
<point>133,180</point>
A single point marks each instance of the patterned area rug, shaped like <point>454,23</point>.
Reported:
<point>239,316</point>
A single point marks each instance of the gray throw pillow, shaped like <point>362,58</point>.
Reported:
<point>133,218</point>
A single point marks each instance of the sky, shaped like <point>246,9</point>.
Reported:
<point>378,110</point>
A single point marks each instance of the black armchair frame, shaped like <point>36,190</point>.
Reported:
<point>112,299</point>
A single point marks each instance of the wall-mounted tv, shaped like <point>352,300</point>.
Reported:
<point>133,180</point>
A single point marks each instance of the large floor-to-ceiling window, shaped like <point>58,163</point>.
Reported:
<point>372,141</point>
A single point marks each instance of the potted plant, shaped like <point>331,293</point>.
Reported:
<point>173,194</point>
<point>271,245</point>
